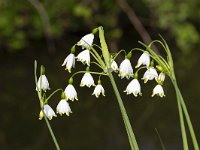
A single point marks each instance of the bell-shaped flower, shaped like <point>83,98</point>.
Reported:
<point>70,93</point>
<point>84,57</point>
<point>42,83</point>
<point>143,60</point>
<point>98,90</point>
<point>161,78</point>
<point>63,107</point>
<point>125,69</point>
<point>114,66</point>
<point>86,41</point>
<point>150,74</point>
<point>134,87</point>
<point>48,111</point>
<point>87,80</point>
<point>158,90</point>
<point>69,62</point>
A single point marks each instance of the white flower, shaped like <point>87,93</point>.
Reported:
<point>86,41</point>
<point>160,78</point>
<point>114,66</point>
<point>87,80</point>
<point>143,60</point>
<point>84,57</point>
<point>48,111</point>
<point>69,62</point>
<point>70,92</point>
<point>43,82</point>
<point>150,74</point>
<point>134,87</point>
<point>98,90</point>
<point>158,90</point>
<point>63,107</point>
<point>125,69</point>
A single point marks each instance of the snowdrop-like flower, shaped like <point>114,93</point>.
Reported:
<point>43,82</point>
<point>84,57</point>
<point>114,66</point>
<point>70,92</point>
<point>63,107</point>
<point>87,80</point>
<point>150,74</point>
<point>134,87</point>
<point>158,90</point>
<point>69,62</point>
<point>98,90</point>
<point>48,111</point>
<point>143,60</point>
<point>125,69</point>
<point>86,41</point>
<point>161,78</point>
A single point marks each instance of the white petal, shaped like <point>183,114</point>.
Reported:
<point>133,87</point>
<point>70,92</point>
<point>125,69</point>
<point>144,60</point>
<point>69,62</point>
<point>98,90</point>
<point>158,90</point>
<point>49,112</point>
<point>43,82</point>
<point>87,80</point>
<point>84,57</point>
<point>63,107</point>
<point>86,41</point>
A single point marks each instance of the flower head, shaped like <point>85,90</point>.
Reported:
<point>48,111</point>
<point>150,74</point>
<point>43,82</point>
<point>134,87</point>
<point>84,57</point>
<point>63,107</point>
<point>158,90</point>
<point>98,90</point>
<point>114,66</point>
<point>70,92</point>
<point>86,41</point>
<point>87,80</point>
<point>161,78</point>
<point>125,69</point>
<point>69,62</point>
<point>144,60</point>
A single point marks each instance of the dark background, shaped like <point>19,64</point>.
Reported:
<point>45,30</point>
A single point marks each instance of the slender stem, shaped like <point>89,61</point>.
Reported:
<point>47,99</point>
<point>131,136</point>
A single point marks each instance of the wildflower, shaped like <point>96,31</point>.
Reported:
<point>125,69</point>
<point>114,66</point>
<point>43,82</point>
<point>143,60</point>
<point>150,74</point>
<point>84,57</point>
<point>87,80</point>
<point>158,90</point>
<point>98,90</point>
<point>161,77</point>
<point>86,41</point>
<point>69,62</point>
<point>134,87</point>
<point>63,107</point>
<point>70,92</point>
<point>48,111</point>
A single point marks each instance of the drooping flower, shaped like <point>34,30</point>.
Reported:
<point>70,93</point>
<point>84,57</point>
<point>98,90</point>
<point>43,82</point>
<point>48,111</point>
<point>133,87</point>
<point>150,74</point>
<point>125,69</point>
<point>158,90</point>
<point>87,80</point>
<point>143,60</point>
<point>69,62</point>
<point>114,66</point>
<point>161,78</point>
<point>63,107</point>
<point>86,41</point>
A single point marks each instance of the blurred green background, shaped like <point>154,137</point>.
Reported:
<point>45,30</point>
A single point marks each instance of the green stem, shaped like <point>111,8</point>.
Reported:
<point>131,136</point>
<point>189,123</point>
